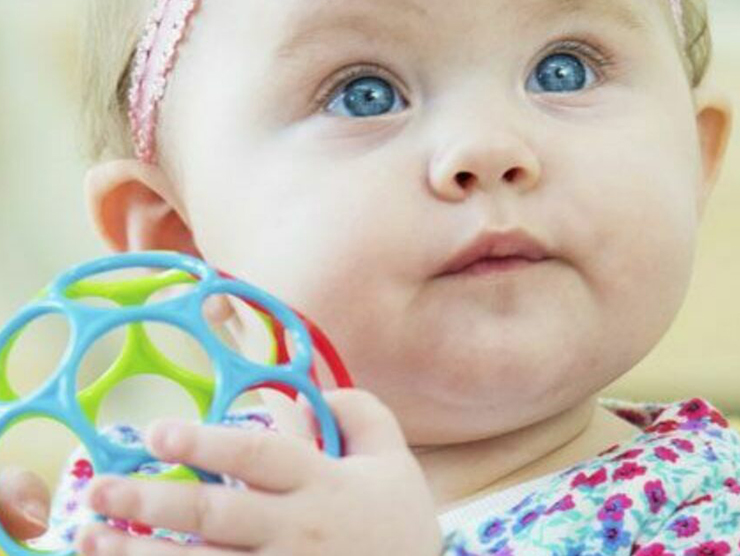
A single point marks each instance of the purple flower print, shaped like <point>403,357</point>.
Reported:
<point>613,508</point>
<point>527,519</point>
<point>693,425</point>
<point>490,530</point>
<point>614,536</point>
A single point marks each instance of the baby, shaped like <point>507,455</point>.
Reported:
<point>490,207</point>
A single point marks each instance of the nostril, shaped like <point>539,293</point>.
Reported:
<point>465,179</point>
<point>513,174</point>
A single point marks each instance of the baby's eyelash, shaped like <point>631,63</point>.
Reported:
<point>603,60</point>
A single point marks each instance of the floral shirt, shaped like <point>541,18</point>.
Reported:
<point>671,490</point>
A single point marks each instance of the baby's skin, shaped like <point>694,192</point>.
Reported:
<point>468,382</point>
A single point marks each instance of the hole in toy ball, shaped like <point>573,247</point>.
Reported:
<point>168,293</point>
<point>33,355</point>
<point>248,411</point>
<point>139,401</point>
<point>100,357</point>
<point>241,328</point>
<point>143,371</point>
<point>180,348</point>
<point>53,462</point>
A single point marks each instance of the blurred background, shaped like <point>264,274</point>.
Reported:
<point>44,228</point>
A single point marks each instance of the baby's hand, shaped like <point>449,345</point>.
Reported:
<point>24,503</point>
<point>375,501</point>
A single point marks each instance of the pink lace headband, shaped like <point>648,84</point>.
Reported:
<point>156,55</point>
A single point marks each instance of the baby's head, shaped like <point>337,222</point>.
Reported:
<point>341,153</point>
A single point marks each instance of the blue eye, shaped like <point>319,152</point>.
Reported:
<point>560,73</point>
<point>366,97</point>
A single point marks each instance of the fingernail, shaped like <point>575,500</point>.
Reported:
<point>35,512</point>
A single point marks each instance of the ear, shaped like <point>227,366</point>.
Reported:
<point>134,207</point>
<point>714,116</point>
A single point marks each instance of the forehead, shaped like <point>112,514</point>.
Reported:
<point>306,20</point>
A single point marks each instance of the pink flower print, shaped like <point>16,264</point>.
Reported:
<point>685,526</point>
<point>629,454</point>
<point>683,445</point>
<point>654,549</point>
<point>663,427</point>
<point>627,471</point>
<point>613,508</point>
<point>564,504</point>
<point>666,454</point>
<point>590,481</point>
<point>83,469</point>
<point>710,548</point>
<point>655,493</point>
<point>731,484</point>
<point>718,419</point>
<point>694,409</point>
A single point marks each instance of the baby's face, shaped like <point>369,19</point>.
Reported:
<point>339,154</point>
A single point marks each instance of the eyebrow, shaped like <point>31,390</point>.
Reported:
<point>324,18</point>
<point>619,11</point>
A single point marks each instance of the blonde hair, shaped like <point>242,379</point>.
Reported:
<point>113,28</point>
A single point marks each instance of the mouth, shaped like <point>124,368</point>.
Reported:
<point>497,252</point>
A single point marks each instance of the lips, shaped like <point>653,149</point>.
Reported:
<point>496,246</point>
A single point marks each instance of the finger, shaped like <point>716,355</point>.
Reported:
<point>101,540</point>
<point>24,503</point>
<point>214,512</point>
<point>368,426</point>
<point>262,459</point>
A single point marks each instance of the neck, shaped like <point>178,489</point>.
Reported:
<point>462,471</point>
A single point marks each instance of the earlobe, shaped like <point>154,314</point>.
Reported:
<point>133,207</point>
<point>714,118</point>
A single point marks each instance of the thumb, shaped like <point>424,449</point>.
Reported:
<point>368,426</point>
<point>24,503</point>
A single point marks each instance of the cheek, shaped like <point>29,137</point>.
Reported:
<point>315,242</point>
<point>634,229</point>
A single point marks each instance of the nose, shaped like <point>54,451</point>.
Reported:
<point>485,162</point>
